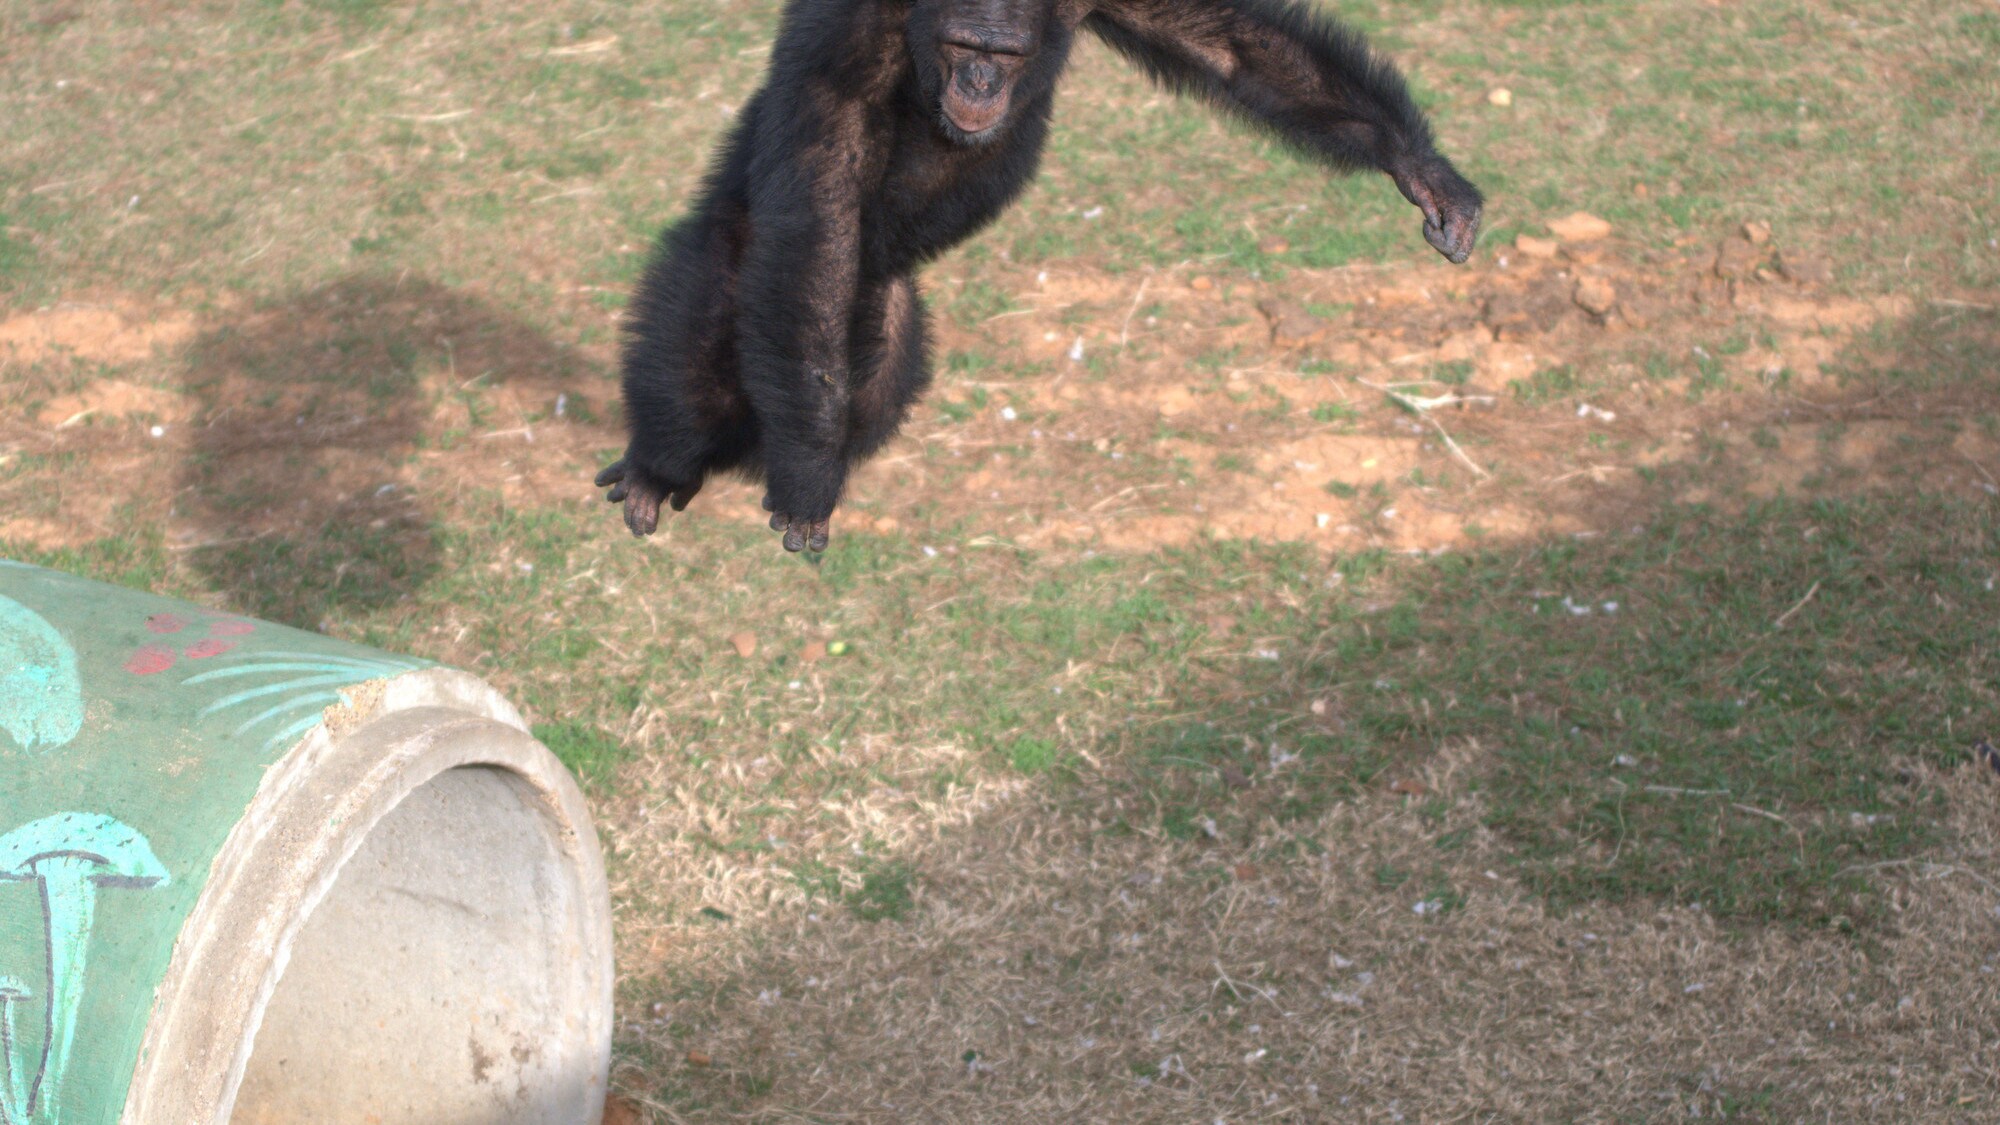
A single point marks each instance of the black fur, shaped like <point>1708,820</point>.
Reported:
<point>778,331</point>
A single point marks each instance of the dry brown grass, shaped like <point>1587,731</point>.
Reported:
<point>1048,971</point>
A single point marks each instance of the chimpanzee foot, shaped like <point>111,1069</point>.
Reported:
<point>641,494</point>
<point>800,535</point>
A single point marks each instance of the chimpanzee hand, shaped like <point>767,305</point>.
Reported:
<point>1449,202</point>
<point>642,495</point>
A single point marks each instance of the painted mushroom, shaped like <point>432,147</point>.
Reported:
<point>70,855</point>
<point>13,1079</point>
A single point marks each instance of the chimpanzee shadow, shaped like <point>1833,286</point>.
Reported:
<point>297,499</point>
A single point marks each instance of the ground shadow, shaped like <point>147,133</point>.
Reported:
<point>1529,811</point>
<point>311,416</point>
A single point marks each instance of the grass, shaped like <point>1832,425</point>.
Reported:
<point>1124,787</point>
<point>1680,747</point>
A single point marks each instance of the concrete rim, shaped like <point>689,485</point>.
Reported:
<point>311,814</point>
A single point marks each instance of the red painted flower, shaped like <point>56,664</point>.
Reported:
<point>150,659</point>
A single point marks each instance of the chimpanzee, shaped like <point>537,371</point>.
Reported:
<point>778,330</point>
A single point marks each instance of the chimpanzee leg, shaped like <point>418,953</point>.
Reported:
<point>683,399</point>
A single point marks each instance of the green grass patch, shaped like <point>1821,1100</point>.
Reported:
<point>588,751</point>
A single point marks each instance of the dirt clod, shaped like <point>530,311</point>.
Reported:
<point>1735,258</point>
<point>1801,267</point>
<point>1757,232</point>
<point>745,644</point>
<point>1529,246</point>
<point>618,1111</point>
<point>1291,325</point>
<point>1596,296</point>
<point>1579,226</point>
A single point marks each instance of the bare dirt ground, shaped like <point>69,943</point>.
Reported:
<point>1406,408</point>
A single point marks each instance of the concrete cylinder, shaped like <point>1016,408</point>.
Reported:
<point>250,874</point>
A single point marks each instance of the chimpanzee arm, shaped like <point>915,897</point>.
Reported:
<point>1307,78</point>
<point>798,289</point>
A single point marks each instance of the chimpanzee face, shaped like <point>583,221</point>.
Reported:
<point>979,50</point>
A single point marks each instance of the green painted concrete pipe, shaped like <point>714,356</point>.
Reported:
<point>250,874</point>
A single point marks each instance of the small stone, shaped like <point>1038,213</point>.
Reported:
<point>745,644</point>
<point>1735,258</point>
<point>1539,248</point>
<point>1596,296</point>
<point>1802,268</point>
<point>1757,232</point>
<point>1202,284</point>
<point>1500,96</point>
<point>1579,226</point>
<point>813,652</point>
